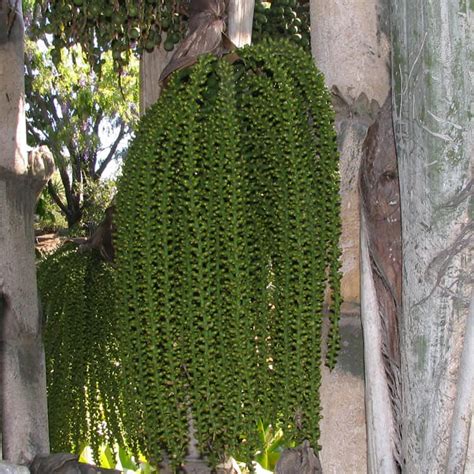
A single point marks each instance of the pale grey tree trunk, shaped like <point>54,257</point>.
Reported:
<point>379,419</point>
<point>432,57</point>
<point>350,44</point>
<point>381,291</point>
<point>351,47</point>
<point>461,444</point>
<point>22,175</point>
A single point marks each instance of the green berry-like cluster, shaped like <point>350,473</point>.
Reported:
<point>282,19</point>
<point>117,25</point>
<point>227,238</point>
<point>82,355</point>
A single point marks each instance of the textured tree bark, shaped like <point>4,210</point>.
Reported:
<point>206,25</point>
<point>432,56</point>
<point>152,65</point>
<point>379,417</point>
<point>22,176</point>
<point>461,446</point>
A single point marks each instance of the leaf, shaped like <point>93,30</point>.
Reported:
<point>107,458</point>
<point>126,459</point>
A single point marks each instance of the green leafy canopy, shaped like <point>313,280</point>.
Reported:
<point>84,118</point>
<point>71,85</point>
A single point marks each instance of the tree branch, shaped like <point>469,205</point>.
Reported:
<point>92,163</point>
<point>53,110</point>
<point>34,133</point>
<point>47,109</point>
<point>95,132</point>
<point>112,151</point>
<point>75,159</point>
<point>100,116</point>
<point>67,187</point>
<point>55,197</point>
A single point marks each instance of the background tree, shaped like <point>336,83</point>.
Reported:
<point>85,117</point>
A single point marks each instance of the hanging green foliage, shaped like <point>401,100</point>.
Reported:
<point>118,25</point>
<point>282,19</point>
<point>133,26</point>
<point>227,236</point>
<point>82,357</point>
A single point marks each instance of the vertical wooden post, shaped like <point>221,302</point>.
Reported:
<point>151,66</point>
